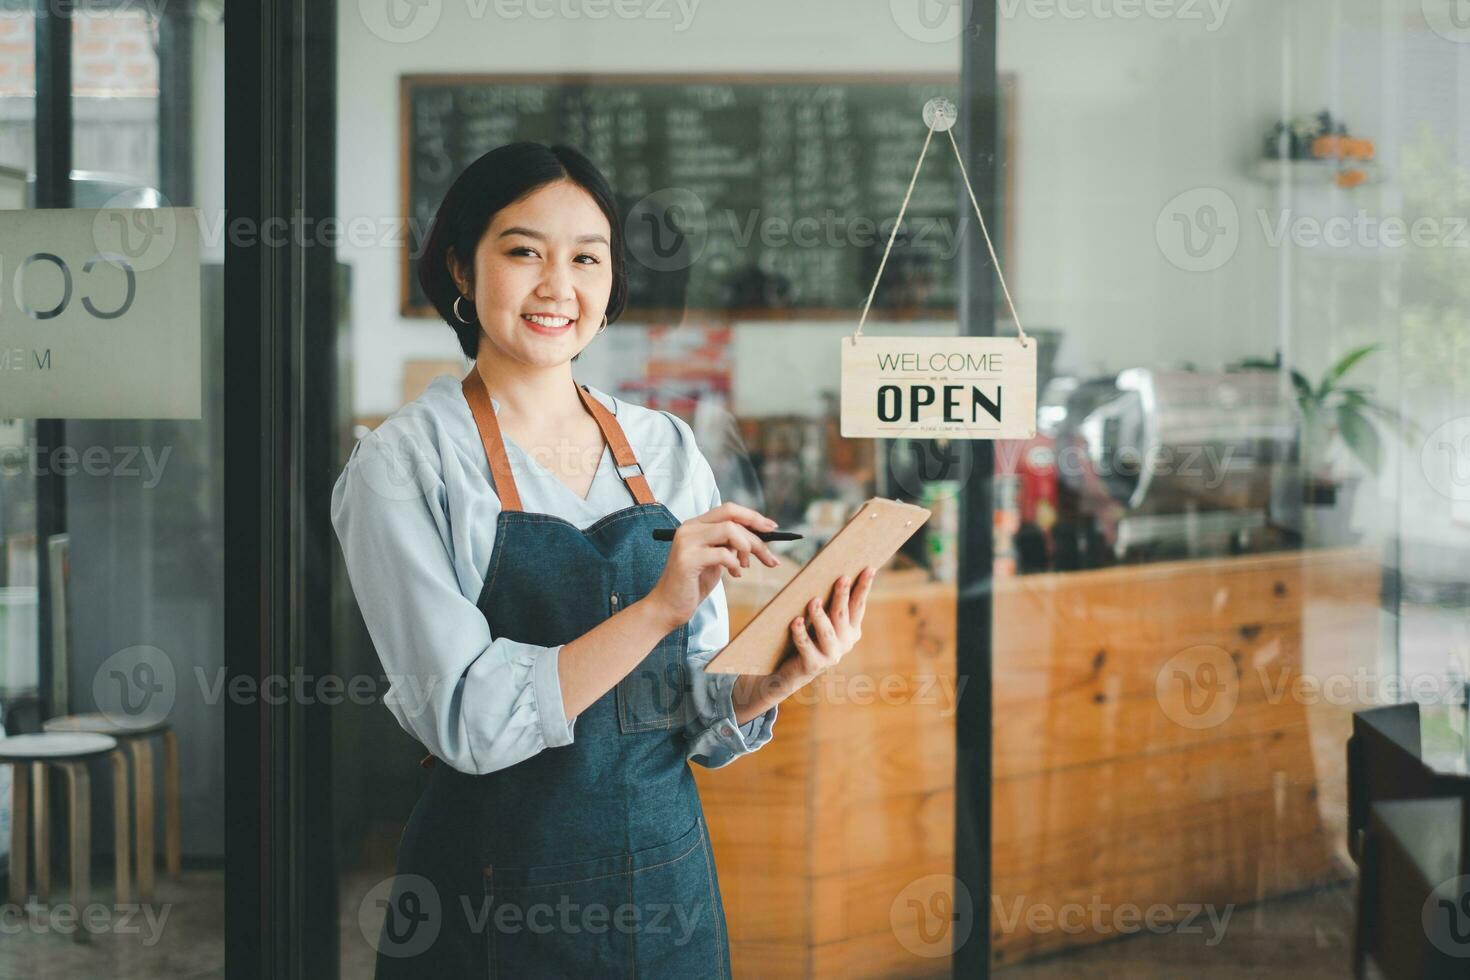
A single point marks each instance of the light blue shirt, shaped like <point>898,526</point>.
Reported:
<point>415,513</point>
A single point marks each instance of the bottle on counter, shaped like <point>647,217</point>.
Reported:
<point>942,530</point>
<point>1005,513</point>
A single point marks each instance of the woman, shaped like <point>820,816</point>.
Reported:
<point>544,648</point>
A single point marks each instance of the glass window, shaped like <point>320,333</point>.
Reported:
<point>19,665</point>
<point>115,92</point>
<point>113,526</point>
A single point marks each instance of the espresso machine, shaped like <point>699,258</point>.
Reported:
<point>1179,463</point>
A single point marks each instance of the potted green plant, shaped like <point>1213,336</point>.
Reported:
<point>1334,410</point>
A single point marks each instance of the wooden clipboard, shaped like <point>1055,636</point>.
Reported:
<point>870,537</point>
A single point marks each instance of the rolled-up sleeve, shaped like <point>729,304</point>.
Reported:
<point>715,739</point>
<point>477,702</point>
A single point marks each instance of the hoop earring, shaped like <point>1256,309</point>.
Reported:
<point>458,315</point>
<point>604,325</point>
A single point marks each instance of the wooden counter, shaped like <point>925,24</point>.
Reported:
<point>1154,746</point>
<point>1155,743</point>
<point>852,801</point>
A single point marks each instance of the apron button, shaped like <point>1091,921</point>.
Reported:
<point>615,598</point>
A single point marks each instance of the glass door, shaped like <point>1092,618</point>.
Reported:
<point>758,154</point>
<point>1236,527</point>
<point>1097,721</point>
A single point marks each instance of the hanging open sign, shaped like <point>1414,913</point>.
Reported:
<point>927,387</point>
<point>932,387</point>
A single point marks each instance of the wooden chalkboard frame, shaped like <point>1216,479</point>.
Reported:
<point>407,83</point>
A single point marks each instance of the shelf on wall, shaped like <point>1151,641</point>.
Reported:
<point>1313,173</point>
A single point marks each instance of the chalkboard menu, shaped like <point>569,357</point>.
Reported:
<point>742,197</point>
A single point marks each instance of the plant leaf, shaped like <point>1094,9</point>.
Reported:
<point>1404,427</point>
<point>1360,435</point>
<point>1342,367</point>
<point>1304,394</point>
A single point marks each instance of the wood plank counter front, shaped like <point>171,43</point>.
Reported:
<point>852,801</point>
<point>1163,740</point>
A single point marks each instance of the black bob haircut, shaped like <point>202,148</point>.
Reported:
<point>498,178</point>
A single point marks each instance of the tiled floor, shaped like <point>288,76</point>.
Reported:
<point>1302,938</point>
<point>1305,937</point>
<point>179,934</point>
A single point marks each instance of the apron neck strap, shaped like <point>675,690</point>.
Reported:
<point>478,398</point>
<point>622,452</point>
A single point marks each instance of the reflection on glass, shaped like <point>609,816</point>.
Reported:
<point>19,596</point>
<point>1243,517</point>
<point>1226,537</point>
<point>757,205</point>
<point>131,534</point>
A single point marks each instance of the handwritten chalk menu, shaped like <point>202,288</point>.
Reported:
<point>752,196</point>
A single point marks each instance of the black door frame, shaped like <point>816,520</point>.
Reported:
<point>280,318</point>
<point>978,137</point>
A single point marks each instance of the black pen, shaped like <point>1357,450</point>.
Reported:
<point>667,534</point>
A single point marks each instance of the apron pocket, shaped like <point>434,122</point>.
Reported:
<point>560,921</point>
<point>610,916</point>
<point>654,696</point>
<point>681,920</point>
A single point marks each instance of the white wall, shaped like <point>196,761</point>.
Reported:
<point>1115,118</point>
<point>752,35</point>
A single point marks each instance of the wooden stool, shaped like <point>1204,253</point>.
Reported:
<point>28,754</point>
<point>135,739</point>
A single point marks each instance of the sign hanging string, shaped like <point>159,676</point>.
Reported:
<point>937,111</point>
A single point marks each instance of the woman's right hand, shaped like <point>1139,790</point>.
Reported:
<point>722,537</point>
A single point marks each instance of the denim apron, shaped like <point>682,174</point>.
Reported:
<point>589,859</point>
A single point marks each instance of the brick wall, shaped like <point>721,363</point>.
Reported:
<point>17,51</point>
<point>112,55</point>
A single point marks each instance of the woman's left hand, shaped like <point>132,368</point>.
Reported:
<point>834,631</point>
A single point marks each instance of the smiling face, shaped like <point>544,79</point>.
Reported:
<point>543,275</point>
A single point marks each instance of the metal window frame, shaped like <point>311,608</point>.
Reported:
<point>52,134</point>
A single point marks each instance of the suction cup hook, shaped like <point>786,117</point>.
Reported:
<point>940,114</point>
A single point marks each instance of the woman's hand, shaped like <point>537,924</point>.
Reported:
<point>837,629</point>
<point>722,537</point>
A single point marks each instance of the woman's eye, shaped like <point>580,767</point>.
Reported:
<point>520,250</point>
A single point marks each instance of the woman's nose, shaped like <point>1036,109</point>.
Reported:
<point>556,284</point>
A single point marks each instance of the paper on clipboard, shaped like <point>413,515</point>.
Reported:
<point>870,537</point>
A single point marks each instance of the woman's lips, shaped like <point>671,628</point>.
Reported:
<point>544,329</point>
